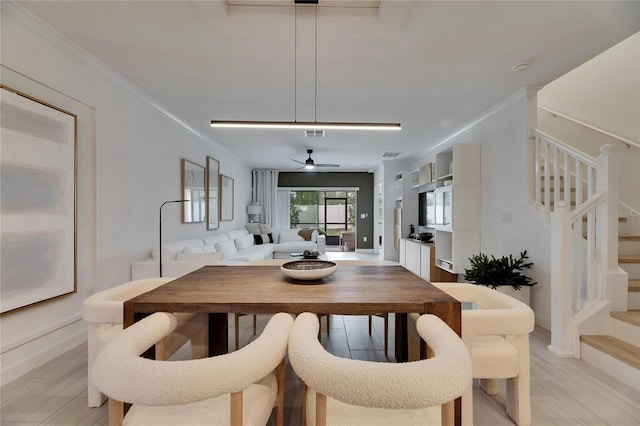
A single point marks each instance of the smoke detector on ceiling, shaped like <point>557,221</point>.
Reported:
<point>520,68</point>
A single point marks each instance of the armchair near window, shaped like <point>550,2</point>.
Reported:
<point>232,389</point>
<point>344,391</point>
<point>348,240</point>
<point>496,332</point>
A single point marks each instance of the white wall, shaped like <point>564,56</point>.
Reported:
<point>129,163</point>
<point>502,134</point>
<point>604,93</point>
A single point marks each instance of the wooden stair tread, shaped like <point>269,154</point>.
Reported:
<point>628,237</point>
<point>629,258</point>
<point>618,349</point>
<point>553,189</point>
<point>552,203</point>
<point>634,286</point>
<point>620,219</point>
<point>631,317</point>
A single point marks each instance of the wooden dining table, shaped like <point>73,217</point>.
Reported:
<point>351,290</point>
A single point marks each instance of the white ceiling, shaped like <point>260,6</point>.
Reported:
<point>432,66</point>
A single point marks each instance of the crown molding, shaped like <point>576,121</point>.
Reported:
<point>50,34</point>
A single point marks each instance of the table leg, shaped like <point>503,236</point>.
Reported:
<point>218,334</point>
<point>402,338</point>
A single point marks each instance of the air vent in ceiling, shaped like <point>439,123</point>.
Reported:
<point>390,154</point>
<point>314,133</point>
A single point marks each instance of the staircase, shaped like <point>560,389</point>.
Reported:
<point>607,338</point>
<point>618,352</point>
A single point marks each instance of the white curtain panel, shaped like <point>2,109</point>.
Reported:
<point>265,188</point>
<point>283,217</point>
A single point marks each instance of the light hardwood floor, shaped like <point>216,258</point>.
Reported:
<point>563,391</point>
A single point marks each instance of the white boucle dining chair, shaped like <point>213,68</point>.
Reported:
<point>238,388</point>
<point>341,391</point>
<point>496,332</point>
<point>103,312</point>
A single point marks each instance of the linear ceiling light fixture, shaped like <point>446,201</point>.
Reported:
<point>310,125</point>
<point>307,125</point>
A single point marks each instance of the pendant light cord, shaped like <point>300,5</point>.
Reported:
<point>315,71</point>
<point>295,65</point>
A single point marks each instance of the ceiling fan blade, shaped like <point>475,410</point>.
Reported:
<point>327,165</point>
<point>301,162</point>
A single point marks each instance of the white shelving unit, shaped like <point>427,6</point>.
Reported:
<point>398,190</point>
<point>457,185</point>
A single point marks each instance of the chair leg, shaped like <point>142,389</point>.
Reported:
<point>236,409</point>
<point>237,319</point>
<point>328,325</point>
<point>280,397</point>
<point>490,386</point>
<point>254,323</point>
<point>116,412</point>
<point>467,407</point>
<point>370,324</point>
<point>518,400</point>
<point>161,350</point>
<point>386,334</point>
<point>321,409</point>
<point>304,404</point>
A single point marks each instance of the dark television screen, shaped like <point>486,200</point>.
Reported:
<point>422,209</point>
<point>426,210</point>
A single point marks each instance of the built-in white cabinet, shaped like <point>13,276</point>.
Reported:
<point>457,206</point>
<point>419,258</point>
<point>454,180</point>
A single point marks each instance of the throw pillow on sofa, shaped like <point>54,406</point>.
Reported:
<point>260,239</point>
<point>244,242</point>
<point>227,247</point>
<point>289,235</point>
<point>253,228</point>
<point>199,250</point>
<point>193,250</point>
<point>264,229</point>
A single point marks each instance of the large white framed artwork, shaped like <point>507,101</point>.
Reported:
<point>226,198</point>
<point>37,201</point>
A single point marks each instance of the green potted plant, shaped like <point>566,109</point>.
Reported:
<point>505,274</point>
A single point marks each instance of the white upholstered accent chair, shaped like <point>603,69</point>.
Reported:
<point>496,332</point>
<point>342,391</point>
<point>239,388</point>
<point>103,312</point>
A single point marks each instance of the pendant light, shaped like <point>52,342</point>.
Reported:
<point>307,125</point>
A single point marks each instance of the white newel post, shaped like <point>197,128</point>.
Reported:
<point>607,228</point>
<point>561,312</point>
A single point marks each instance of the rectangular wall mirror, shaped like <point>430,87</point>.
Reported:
<point>213,189</point>
<point>193,189</point>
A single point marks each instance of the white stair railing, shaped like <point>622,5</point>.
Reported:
<point>559,170</point>
<point>584,249</point>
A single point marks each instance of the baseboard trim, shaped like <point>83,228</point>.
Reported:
<point>25,365</point>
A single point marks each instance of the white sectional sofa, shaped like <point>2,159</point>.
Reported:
<point>227,248</point>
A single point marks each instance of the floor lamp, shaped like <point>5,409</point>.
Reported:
<point>160,246</point>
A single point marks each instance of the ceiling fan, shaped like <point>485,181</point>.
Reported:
<point>310,164</point>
